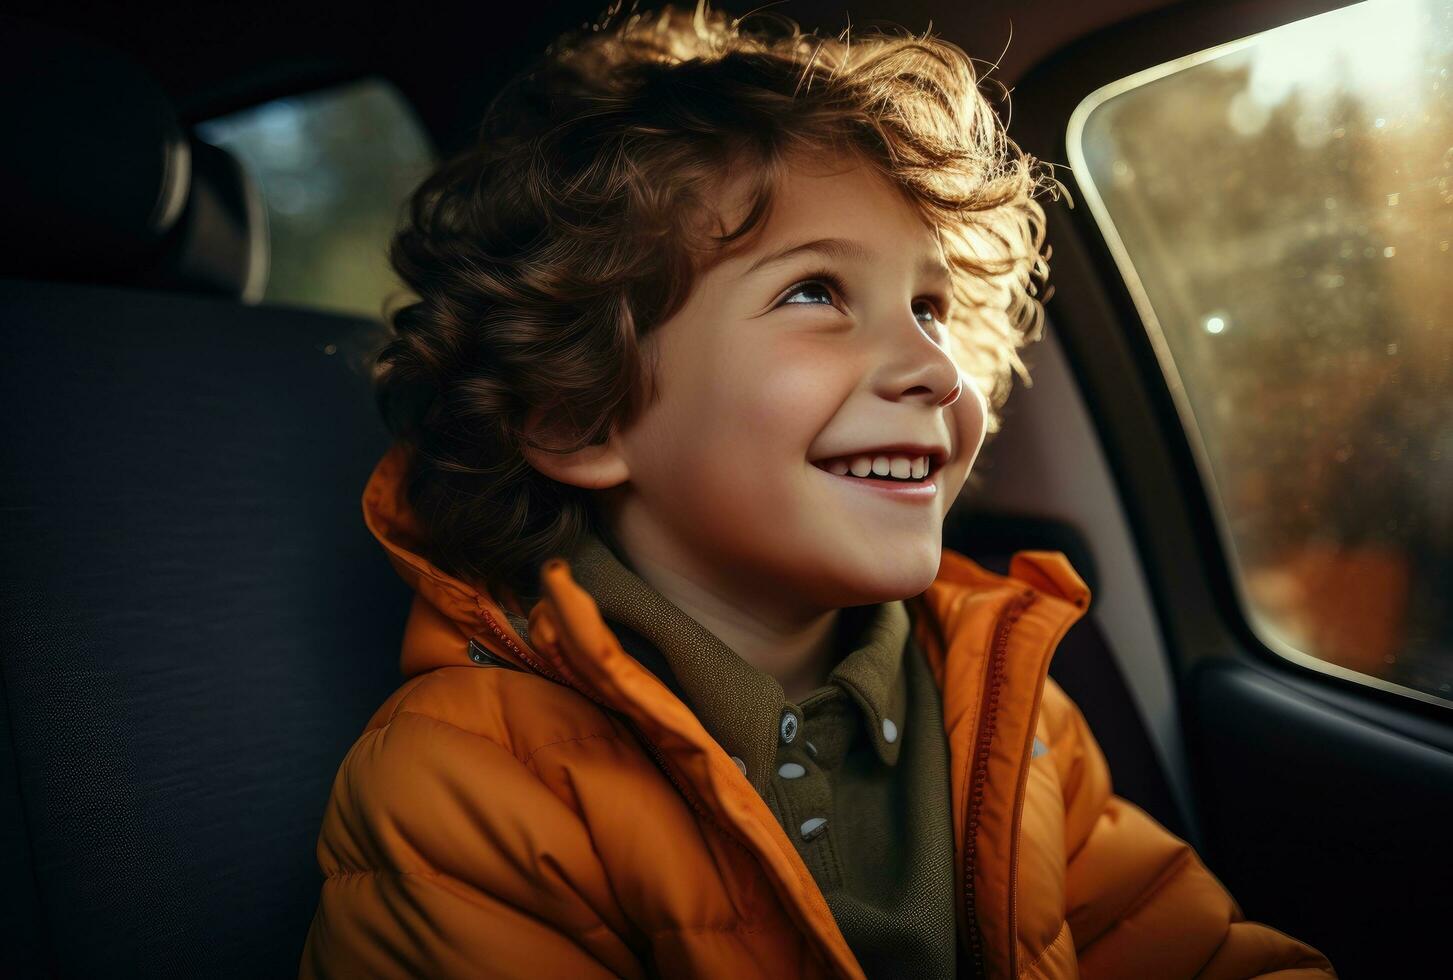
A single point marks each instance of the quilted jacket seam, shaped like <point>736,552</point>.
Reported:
<point>527,762</point>
<point>1166,875</point>
<point>1169,874</point>
<point>427,875</point>
<point>407,689</point>
<point>1312,960</point>
<point>704,927</point>
<point>610,736</point>
<point>449,724</point>
<point>1063,928</point>
<point>434,873</point>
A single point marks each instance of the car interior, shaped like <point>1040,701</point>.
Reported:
<point>195,623</point>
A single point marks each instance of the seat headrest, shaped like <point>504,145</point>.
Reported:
<point>220,243</point>
<point>101,183</point>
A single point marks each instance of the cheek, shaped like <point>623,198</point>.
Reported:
<point>716,428</point>
<point>742,431</point>
<point>788,404</point>
<point>970,416</point>
<point>791,391</point>
<point>769,400</point>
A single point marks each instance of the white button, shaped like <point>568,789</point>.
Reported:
<point>890,730</point>
<point>811,828</point>
<point>811,748</point>
<point>791,770</point>
<point>740,764</point>
<point>789,726</point>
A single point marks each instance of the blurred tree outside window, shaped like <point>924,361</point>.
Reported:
<point>335,167</point>
<point>1281,208</point>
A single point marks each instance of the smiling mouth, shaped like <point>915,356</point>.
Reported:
<point>840,466</point>
<point>923,488</point>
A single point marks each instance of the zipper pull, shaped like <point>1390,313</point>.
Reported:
<point>481,655</point>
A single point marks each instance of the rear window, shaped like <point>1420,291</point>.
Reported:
<point>334,167</point>
<point>1281,209</point>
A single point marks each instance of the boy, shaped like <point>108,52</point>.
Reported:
<point>708,332</point>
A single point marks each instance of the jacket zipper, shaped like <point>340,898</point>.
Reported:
<point>988,708</point>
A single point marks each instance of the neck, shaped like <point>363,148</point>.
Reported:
<point>793,645</point>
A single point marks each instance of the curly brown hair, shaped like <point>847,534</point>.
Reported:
<point>541,257</point>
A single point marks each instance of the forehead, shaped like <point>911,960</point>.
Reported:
<point>842,201</point>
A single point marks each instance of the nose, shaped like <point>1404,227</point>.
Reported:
<point>921,370</point>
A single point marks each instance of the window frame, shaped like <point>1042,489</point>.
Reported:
<point>318,86</point>
<point>1174,380</point>
<point>1173,518</point>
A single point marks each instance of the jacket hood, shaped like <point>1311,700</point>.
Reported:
<point>449,614</point>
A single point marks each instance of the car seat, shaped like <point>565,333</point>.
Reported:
<point>194,622</point>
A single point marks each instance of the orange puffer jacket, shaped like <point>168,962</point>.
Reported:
<point>552,810</point>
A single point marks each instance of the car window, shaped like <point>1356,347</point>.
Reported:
<point>1281,208</point>
<point>334,166</point>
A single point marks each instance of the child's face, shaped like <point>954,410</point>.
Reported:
<point>760,377</point>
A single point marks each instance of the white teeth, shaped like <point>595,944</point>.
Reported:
<point>899,467</point>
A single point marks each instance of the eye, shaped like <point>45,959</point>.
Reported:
<point>826,285</point>
<point>821,284</point>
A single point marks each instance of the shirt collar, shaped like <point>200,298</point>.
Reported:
<point>873,674</point>
<point>740,705</point>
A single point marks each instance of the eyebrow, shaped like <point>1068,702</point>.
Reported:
<point>842,249</point>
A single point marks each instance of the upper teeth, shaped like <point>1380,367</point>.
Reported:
<point>902,467</point>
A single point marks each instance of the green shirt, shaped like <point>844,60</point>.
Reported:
<point>856,772</point>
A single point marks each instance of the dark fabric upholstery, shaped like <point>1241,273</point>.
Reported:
<point>194,624</point>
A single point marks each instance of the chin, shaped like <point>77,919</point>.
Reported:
<point>882,581</point>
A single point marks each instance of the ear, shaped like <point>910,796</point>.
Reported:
<point>592,468</point>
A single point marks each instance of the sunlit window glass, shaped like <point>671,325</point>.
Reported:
<point>1282,210</point>
<point>335,167</point>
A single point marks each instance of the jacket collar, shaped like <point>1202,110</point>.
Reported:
<point>742,705</point>
<point>983,634</point>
